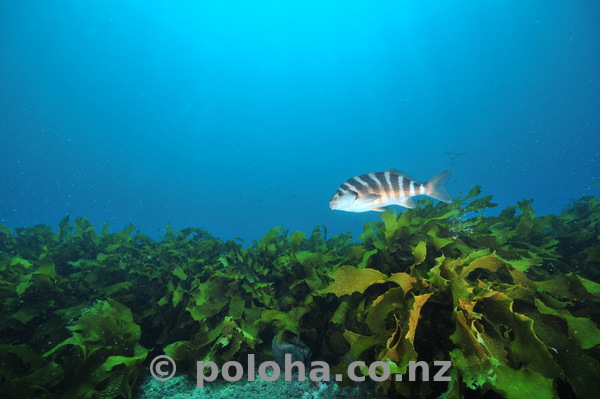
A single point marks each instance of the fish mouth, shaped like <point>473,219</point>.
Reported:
<point>332,204</point>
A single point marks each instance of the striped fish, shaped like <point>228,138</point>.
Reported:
<point>376,191</point>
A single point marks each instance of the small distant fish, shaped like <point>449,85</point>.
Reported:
<point>376,191</point>
<point>454,155</point>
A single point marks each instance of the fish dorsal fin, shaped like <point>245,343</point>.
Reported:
<point>397,172</point>
<point>365,199</point>
<point>408,203</point>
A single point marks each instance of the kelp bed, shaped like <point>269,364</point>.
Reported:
<point>510,300</point>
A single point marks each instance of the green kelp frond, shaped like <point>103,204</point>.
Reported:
<point>107,356</point>
<point>466,302</point>
<point>511,300</point>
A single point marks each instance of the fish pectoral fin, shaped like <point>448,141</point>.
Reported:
<point>408,203</point>
<point>365,199</point>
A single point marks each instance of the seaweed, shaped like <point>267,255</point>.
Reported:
<point>106,357</point>
<point>511,300</point>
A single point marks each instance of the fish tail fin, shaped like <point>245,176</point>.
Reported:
<point>435,187</point>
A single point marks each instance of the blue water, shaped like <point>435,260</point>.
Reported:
<point>237,116</point>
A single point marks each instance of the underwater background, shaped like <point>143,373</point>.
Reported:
<point>235,116</point>
<point>166,169</point>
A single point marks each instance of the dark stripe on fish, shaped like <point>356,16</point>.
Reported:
<point>356,184</point>
<point>395,184</point>
<point>346,187</point>
<point>372,184</point>
<point>380,176</point>
<point>383,182</point>
<point>415,188</point>
<point>405,187</point>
